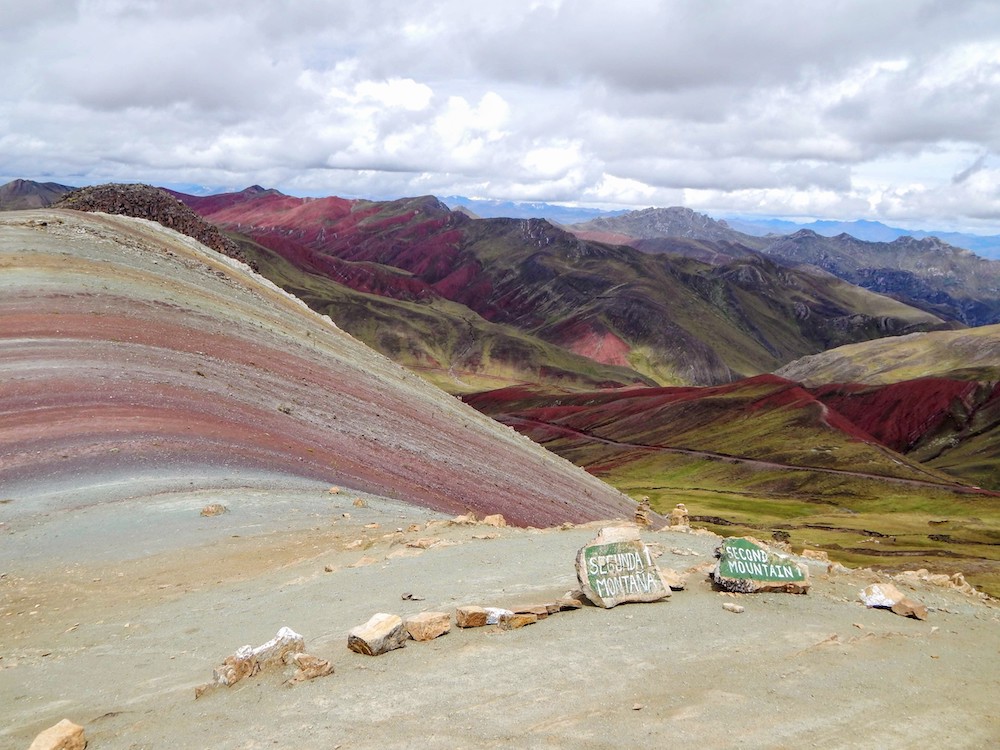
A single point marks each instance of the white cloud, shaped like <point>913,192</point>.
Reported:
<point>846,110</point>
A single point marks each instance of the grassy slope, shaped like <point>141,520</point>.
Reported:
<point>687,321</point>
<point>445,342</point>
<point>869,520</point>
<point>971,352</point>
<point>968,445</point>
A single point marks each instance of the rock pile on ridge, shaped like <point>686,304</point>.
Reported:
<point>147,202</point>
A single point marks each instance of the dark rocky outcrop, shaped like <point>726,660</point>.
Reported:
<point>147,202</point>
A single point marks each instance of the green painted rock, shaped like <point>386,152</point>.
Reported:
<point>746,566</point>
<point>616,567</point>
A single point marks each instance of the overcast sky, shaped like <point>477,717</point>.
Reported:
<point>879,109</point>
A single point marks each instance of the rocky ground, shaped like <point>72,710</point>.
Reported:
<point>112,615</point>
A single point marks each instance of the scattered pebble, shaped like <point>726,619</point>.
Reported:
<point>735,608</point>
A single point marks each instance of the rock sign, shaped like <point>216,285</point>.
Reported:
<point>747,566</point>
<point>616,567</point>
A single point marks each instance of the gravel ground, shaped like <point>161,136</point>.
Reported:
<point>133,603</point>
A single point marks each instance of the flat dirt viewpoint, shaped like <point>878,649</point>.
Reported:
<point>116,634</point>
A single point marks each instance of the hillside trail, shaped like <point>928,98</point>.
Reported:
<point>755,462</point>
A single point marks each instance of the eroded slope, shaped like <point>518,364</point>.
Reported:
<point>128,350</point>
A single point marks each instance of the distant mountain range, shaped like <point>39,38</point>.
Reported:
<point>528,301</point>
<point>664,296</point>
<point>930,274</point>
<point>493,209</point>
<point>871,231</point>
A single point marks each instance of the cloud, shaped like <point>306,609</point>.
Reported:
<point>843,110</point>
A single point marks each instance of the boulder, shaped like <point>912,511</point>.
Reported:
<point>734,608</point>
<point>747,566</point>
<point>495,520</point>
<point>427,626</point>
<point>887,596</point>
<point>381,634</point>
<point>62,736</point>
<point>541,611</point>
<point>616,567</point>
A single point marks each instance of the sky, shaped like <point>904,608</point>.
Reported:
<point>840,109</point>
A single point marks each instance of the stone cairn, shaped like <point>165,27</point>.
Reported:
<point>642,512</point>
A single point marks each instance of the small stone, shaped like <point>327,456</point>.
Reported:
<point>424,542</point>
<point>309,668</point>
<point>540,611</point>
<point>62,736</point>
<point>672,579</point>
<point>328,568</point>
<point>513,621</point>
<point>887,596</point>
<point>637,706</point>
<point>495,614</point>
<point>467,519</point>
<point>371,525</point>
<point>236,667</point>
<point>334,490</point>
<point>907,607</point>
<point>495,520</point>
<point>735,608</point>
<point>214,509</point>
<point>470,616</point>
<point>359,503</point>
<point>569,602</point>
<point>381,634</point>
<point>413,527</point>
<point>427,626</point>
<point>816,554</point>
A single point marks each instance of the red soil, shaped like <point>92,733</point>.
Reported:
<point>900,414</point>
